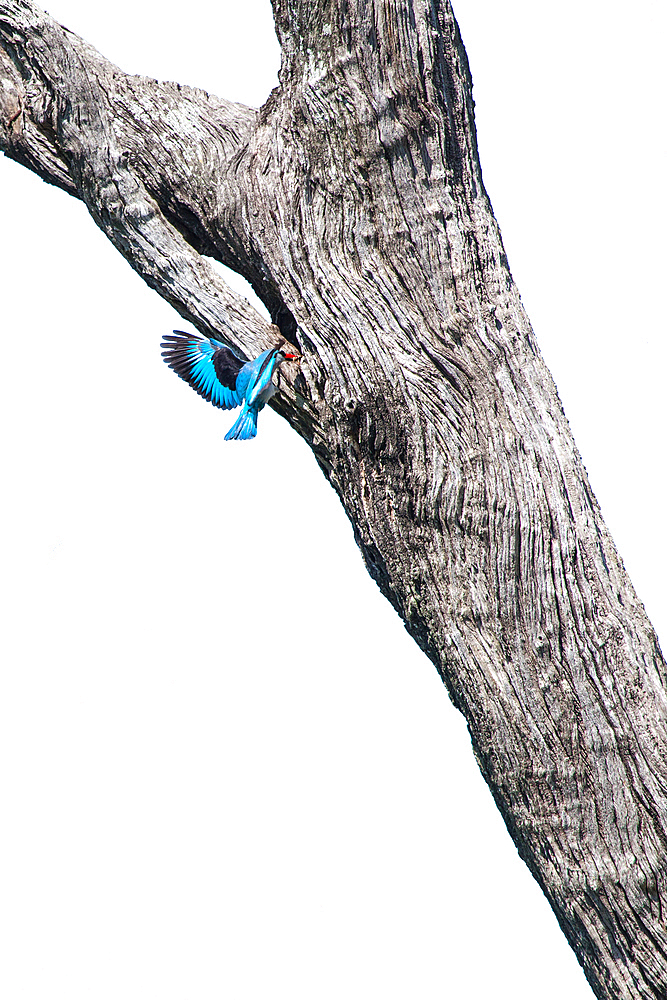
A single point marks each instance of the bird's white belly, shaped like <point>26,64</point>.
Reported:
<point>266,394</point>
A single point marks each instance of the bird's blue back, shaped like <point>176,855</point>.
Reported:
<point>260,372</point>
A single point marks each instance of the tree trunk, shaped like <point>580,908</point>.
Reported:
<point>353,203</point>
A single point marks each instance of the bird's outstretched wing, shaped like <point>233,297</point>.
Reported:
<point>210,368</point>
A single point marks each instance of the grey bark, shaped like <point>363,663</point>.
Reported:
<point>353,203</point>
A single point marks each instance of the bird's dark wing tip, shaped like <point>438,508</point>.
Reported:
<point>169,341</point>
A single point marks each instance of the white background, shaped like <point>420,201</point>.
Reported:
<point>226,770</point>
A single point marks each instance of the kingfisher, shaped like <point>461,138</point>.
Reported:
<point>220,377</point>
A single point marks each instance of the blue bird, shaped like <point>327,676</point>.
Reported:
<point>220,377</point>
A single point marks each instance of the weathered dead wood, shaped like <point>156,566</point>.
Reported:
<point>423,396</point>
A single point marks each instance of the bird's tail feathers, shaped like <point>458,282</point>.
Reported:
<point>245,427</point>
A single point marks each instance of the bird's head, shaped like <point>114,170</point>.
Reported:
<point>284,356</point>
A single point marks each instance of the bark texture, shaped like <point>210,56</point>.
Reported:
<point>353,202</point>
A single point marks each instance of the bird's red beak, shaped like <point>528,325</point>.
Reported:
<point>292,357</point>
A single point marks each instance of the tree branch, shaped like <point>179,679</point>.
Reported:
<point>139,154</point>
